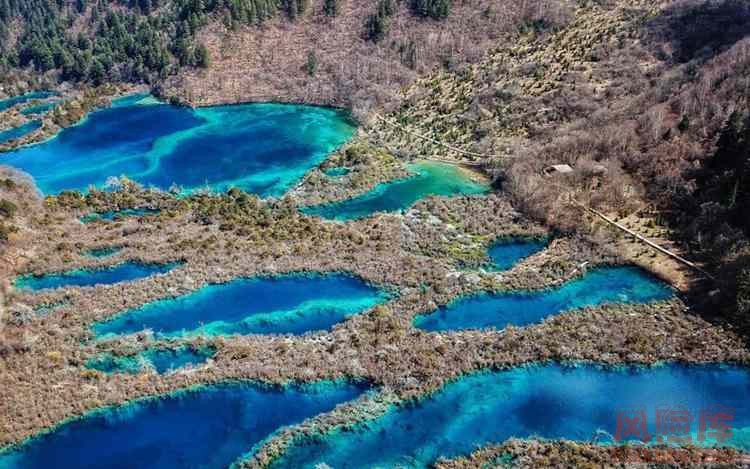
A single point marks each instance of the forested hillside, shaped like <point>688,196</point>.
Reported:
<point>352,53</point>
<point>646,101</point>
<point>99,41</point>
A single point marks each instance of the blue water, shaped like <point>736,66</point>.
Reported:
<point>261,148</point>
<point>336,172</point>
<point>165,360</point>
<point>104,252</point>
<point>10,102</point>
<point>162,360</point>
<point>430,179</point>
<point>291,304</point>
<point>507,253</point>
<point>109,364</point>
<point>117,214</point>
<point>123,272</point>
<point>20,131</point>
<point>550,401</point>
<point>209,427</point>
<point>39,108</point>
<point>598,286</point>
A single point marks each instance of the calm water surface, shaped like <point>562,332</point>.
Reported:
<point>508,252</point>
<point>430,178</point>
<point>598,286</point>
<point>8,103</point>
<point>209,427</point>
<point>550,401</point>
<point>123,272</point>
<point>261,148</point>
<point>290,304</point>
<point>18,132</point>
<point>161,360</point>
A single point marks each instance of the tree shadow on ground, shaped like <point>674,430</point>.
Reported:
<point>699,29</point>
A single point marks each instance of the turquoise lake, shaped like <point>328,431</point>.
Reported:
<point>209,427</point>
<point>596,287</point>
<point>290,304</point>
<point>506,253</point>
<point>550,401</point>
<point>337,172</point>
<point>18,132</point>
<point>123,272</point>
<point>8,103</point>
<point>261,148</point>
<point>161,360</point>
<point>431,178</point>
<point>117,214</point>
<point>39,109</point>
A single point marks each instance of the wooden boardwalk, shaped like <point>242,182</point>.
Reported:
<point>645,240</point>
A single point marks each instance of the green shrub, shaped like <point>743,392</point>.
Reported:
<point>7,208</point>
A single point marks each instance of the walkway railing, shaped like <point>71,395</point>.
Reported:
<point>644,240</point>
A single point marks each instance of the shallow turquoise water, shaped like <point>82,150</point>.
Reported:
<point>430,178</point>
<point>116,214</point>
<point>123,272</point>
<point>291,304</point>
<point>336,172</point>
<point>507,253</point>
<point>209,427</point>
<point>261,148</point>
<point>104,252</point>
<point>18,132</point>
<point>8,103</point>
<point>162,360</point>
<point>165,360</point>
<point>108,363</point>
<point>41,108</point>
<point>598,286</point>
<point>550,401</point>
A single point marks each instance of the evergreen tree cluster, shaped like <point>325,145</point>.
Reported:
<point>729,170</point>
<point>436,9</point>
<point>102,42</point>
<point>376,25</point>
<point>146,40</point>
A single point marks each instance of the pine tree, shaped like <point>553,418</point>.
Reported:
<point>201,56</point>
<point>312,63</point>
<point>436,9</point>
<point>331,7</point>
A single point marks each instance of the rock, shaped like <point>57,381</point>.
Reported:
<point>471,279</point>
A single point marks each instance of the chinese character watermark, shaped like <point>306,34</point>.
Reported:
<point>675,425</point>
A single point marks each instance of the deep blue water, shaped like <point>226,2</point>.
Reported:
<point>123,272</point>
<point>507,253</point>
<point>162,360</point>
<point>41,108</point>
<point>116,214</point>
<point>10,102</point>
<point>261,148</point>
<point>598,286</point>
<point>104,252</point>
<point>430,179</point>
<point>20,131</point>
<point>210,427</point>
<point>550,401</point>
<point>292,304</point>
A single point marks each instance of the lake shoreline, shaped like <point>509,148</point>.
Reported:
<point>421,268</point>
